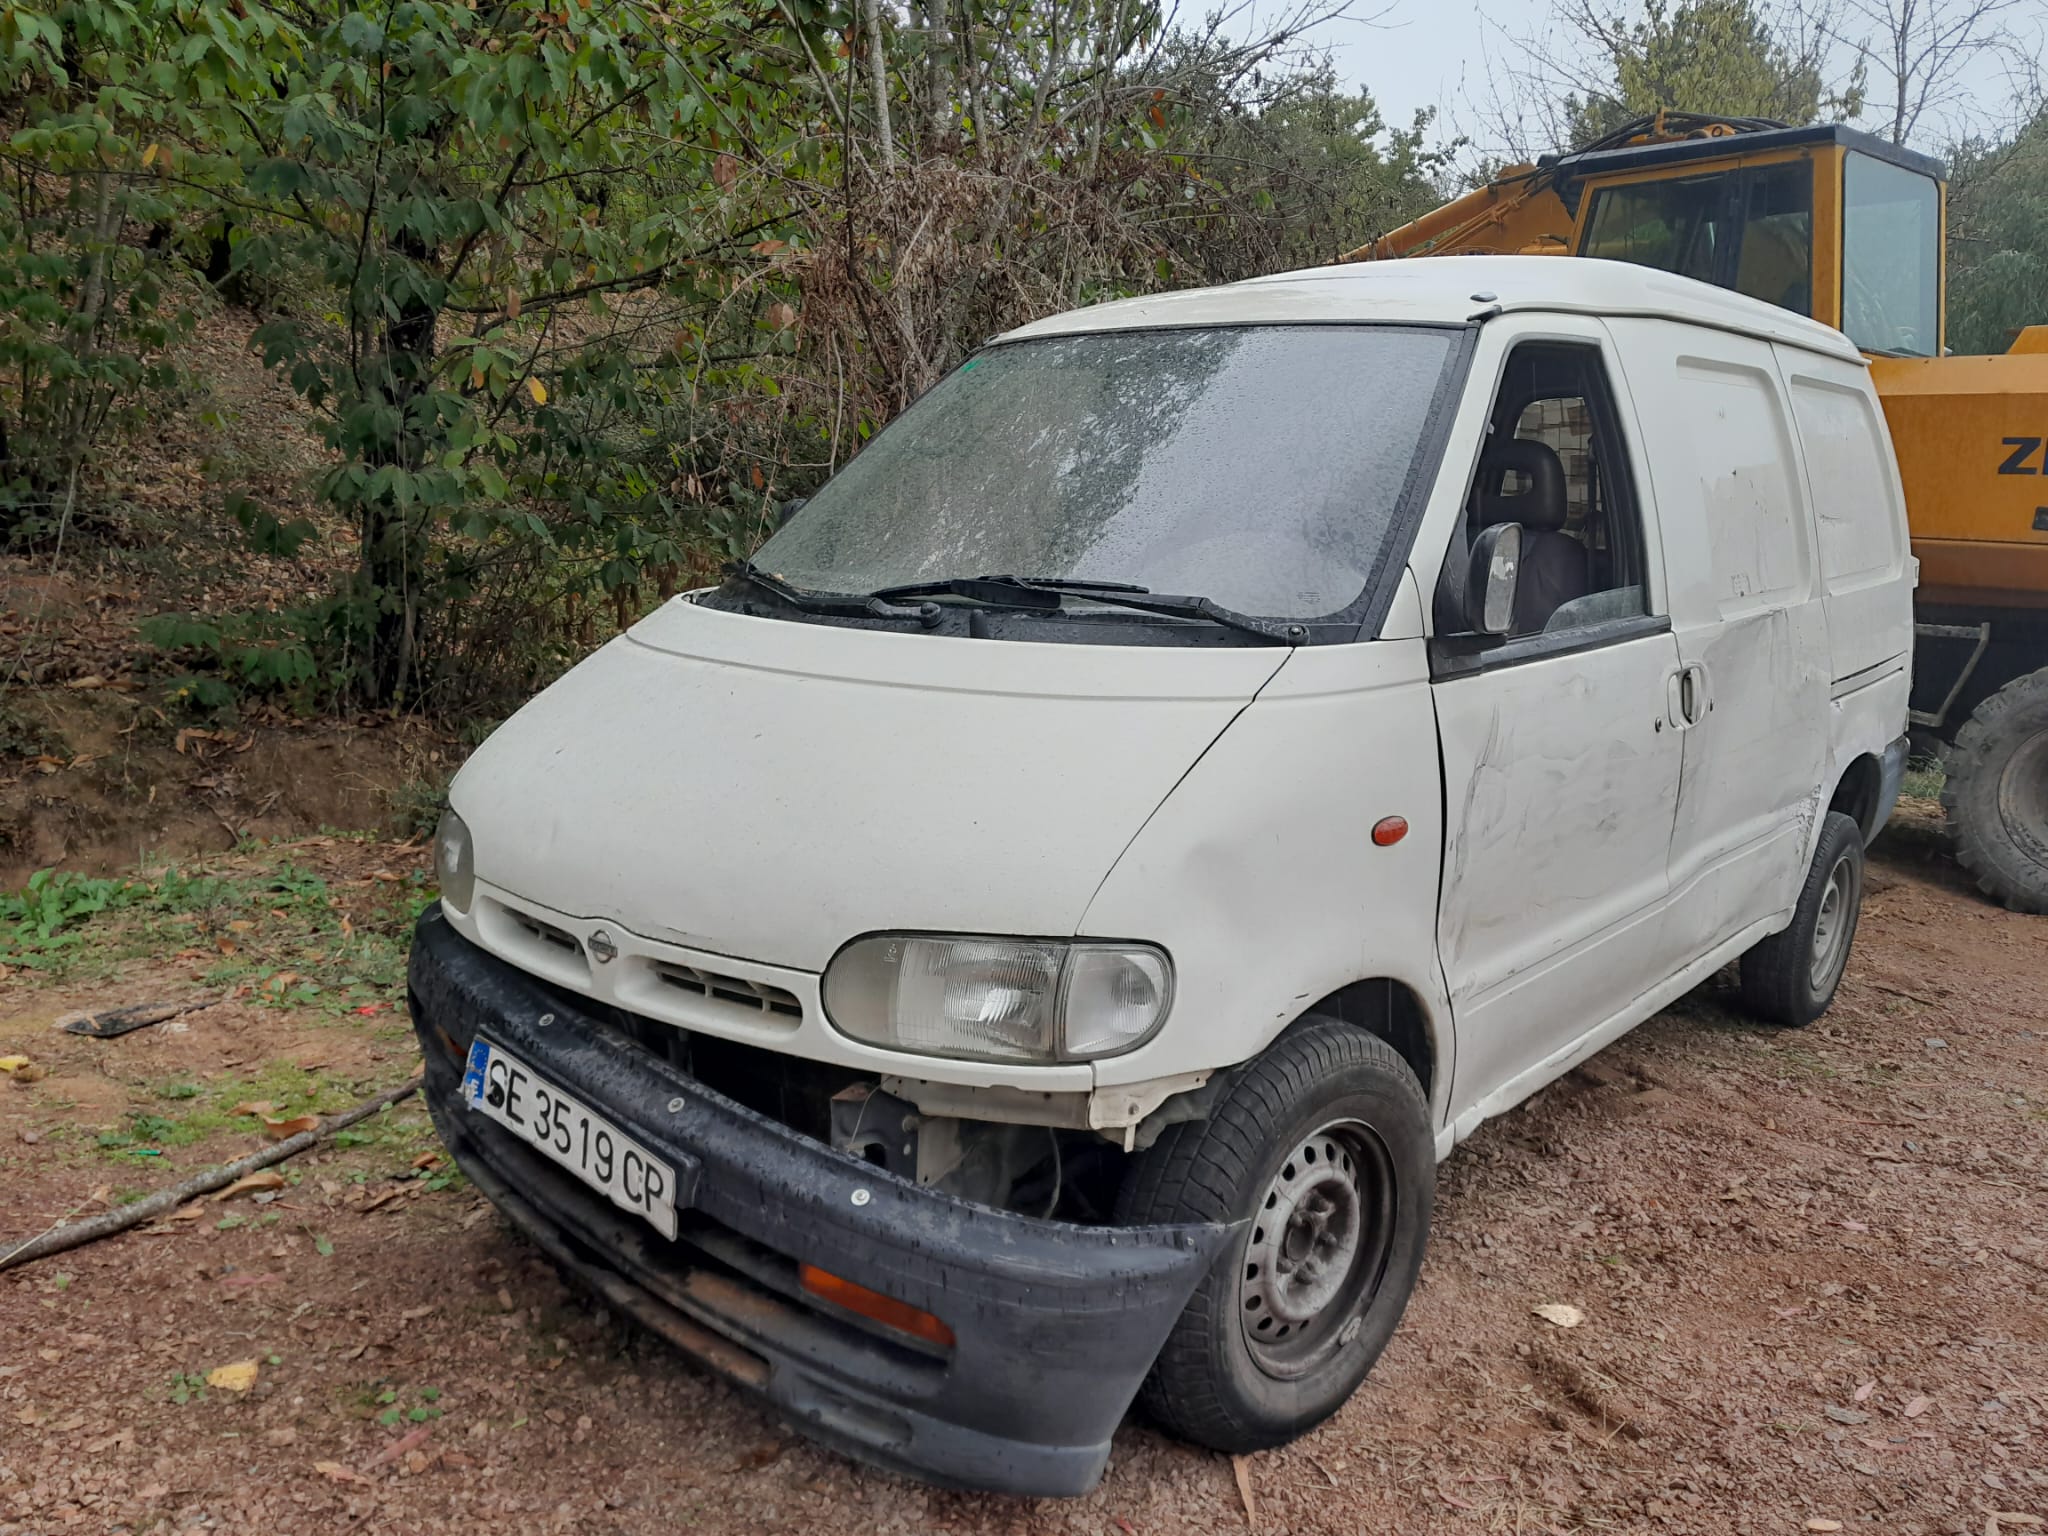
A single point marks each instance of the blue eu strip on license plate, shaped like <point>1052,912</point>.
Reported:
<point>555,1123</point>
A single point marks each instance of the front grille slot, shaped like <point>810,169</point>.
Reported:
<point>760,996</point>
<point>546,933</point>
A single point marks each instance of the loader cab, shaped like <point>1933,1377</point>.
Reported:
<point>1824,221</point>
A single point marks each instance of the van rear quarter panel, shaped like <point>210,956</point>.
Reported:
<point>1860,510</point>
<point>1259,873</point>
<point>1741,556</point>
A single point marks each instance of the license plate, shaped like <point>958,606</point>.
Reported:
<point>503,1088</point>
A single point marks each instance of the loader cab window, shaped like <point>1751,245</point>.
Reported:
<point>1749,230</point>
<point>1891,257</point>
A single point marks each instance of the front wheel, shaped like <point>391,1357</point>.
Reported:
<point>1322,1149</point>
<point>1790,978</point>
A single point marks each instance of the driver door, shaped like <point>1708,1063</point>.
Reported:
<point>1560,764</point>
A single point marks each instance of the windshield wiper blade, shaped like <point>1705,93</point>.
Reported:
<point>1177,606</point>
<point>997,591</point>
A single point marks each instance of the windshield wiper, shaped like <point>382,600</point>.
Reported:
<point>796,597</point>
<point>1043,594</point>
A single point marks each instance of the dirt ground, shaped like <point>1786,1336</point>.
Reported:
<point>1813,1268</point>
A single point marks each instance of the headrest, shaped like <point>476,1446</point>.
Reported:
<point>1539,506</point>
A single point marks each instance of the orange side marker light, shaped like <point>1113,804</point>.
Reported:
<point>886,1310</point>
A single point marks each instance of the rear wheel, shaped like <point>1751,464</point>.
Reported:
<point>1790,978</point>
<point>1322,1149</point>
<point>1996,794</point>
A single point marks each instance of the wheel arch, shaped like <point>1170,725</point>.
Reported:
<point>1859,793</point>
<point>1394,1012</point>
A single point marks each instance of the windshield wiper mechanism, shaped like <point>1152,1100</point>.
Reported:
<point>1043,594</point>
<point>804,601</point>
<point>1174,605</point>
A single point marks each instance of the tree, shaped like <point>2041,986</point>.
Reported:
<point>1921,51</point>
<point>1722,56</point>
<point>1998,238</point>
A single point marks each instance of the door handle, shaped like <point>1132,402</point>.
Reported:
<point>1687,698</point>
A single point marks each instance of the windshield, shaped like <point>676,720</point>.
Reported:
<point>1260,467</point>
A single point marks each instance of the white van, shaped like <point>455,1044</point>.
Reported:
<point>1030,935</point>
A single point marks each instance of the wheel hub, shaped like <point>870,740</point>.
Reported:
<point>1313,1238</point>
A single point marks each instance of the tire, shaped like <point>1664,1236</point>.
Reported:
<point>1326,1107</point>
<point>1790,978</point>
<point>1996,794</point>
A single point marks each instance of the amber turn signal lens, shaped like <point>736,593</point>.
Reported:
<point>1389,830</point>
<point>886,1310</point>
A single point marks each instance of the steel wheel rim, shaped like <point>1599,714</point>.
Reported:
<point>2023,795</point>
<point>1317,1248</point>
<point>1833,925</point>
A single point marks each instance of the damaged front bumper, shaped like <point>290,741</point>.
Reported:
<point>1054,1325</point>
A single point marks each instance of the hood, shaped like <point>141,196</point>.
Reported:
<point>769,789</point>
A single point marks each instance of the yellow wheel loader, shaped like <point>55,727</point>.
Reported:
<point>1849,229</point>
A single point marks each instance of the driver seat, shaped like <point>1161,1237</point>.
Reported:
<point>1555,566</point>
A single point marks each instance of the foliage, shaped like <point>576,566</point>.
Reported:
<point>1722,56</point>
<point>1998,239</point>
<point>86,313</point>
<point>579,294</point>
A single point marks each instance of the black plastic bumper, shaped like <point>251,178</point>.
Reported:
<point>1054,1325</point>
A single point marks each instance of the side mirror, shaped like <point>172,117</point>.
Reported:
<point>789,509</point>
<point>1490,579</point>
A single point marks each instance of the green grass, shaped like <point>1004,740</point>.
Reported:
<point>257,920</point>
<point>180,1118</point>
<point>1924,779</point>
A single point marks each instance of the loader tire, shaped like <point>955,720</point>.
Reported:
<point>1996,795</point>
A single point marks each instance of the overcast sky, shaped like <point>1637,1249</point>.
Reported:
<point>1424,53</point>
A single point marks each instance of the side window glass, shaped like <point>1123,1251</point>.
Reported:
<point>1555,463</point>
<point>1891,257</point>
<point>1775,262</point>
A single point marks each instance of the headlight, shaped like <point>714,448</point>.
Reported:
<point>993,999</point>
<point>454,862</point>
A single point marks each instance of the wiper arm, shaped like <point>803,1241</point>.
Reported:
<point>926,614</point>
<point>796,597</point>
<point>1175,605</point>
<point>1043,594</point>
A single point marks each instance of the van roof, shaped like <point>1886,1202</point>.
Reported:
<point>1438,290</point>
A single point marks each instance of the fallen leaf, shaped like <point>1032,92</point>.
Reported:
<point>410,1440</point>
<point>426,1160</point>
<point>1917,1406</point>
<point>1563,1314</point>
<point>188,1213</point>
<point>239,1377</point>
<point>12,1063</point>
<point>764,1454</point>
<point>92,681</point>
<point>1823,1525</point>
<point>279,1130</point>
<point>269,1178</point>
<point>30,1415</point>
<point>1845,1415</point>
<point>1862,1393</point>
<point>253,1107</point>
<point>1999,1521</point>
<point>338,1473</point>
<point>240,925</point>
<point>1241,1469</point>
